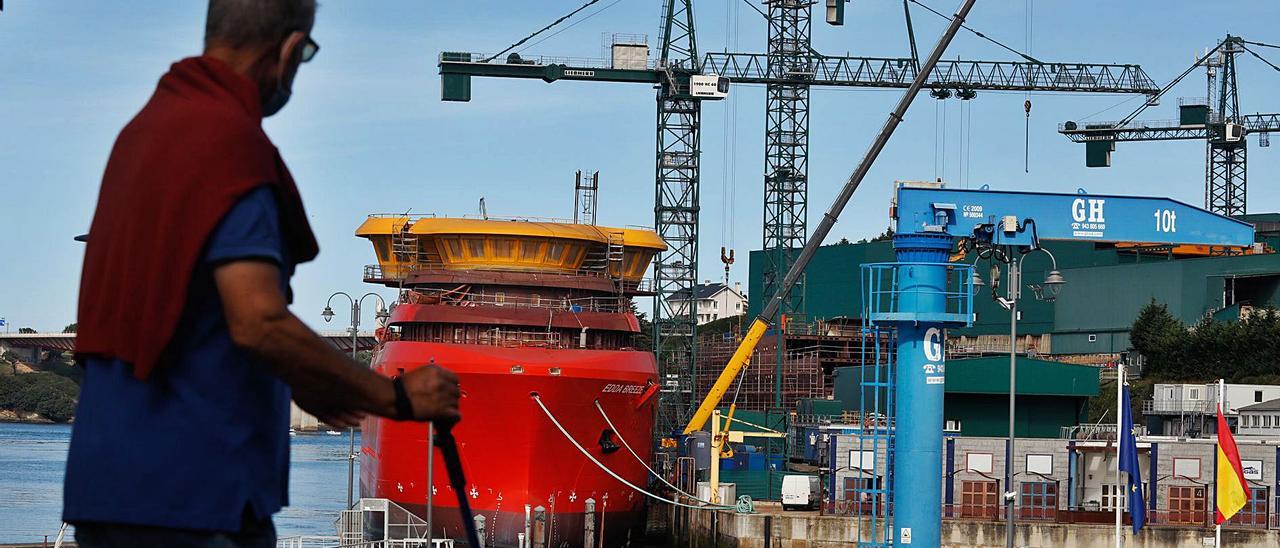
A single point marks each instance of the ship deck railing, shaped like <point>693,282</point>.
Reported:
<point>504,300</point>
<point>404,271</point>
<point>487,217</point>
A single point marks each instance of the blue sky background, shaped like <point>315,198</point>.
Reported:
<point>366,131</point>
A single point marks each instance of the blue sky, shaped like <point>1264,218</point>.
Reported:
<point>366,131</point>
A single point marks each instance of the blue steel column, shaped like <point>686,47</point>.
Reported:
<point>921,290</point>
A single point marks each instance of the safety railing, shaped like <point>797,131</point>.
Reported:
<point>503,300</point>
<point>534,60</point>
<point>1105,431</point>
<point>1178,406</point>
<point>974,511</point>
<point>887,299</point>
<point>308,541</point>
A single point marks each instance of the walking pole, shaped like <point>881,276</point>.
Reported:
<point>431,480</point>
<point>453,465</point>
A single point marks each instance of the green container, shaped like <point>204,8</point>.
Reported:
<point>1192,115</point>
<point>1098,153</point>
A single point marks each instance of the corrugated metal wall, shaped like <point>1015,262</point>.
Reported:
<point>1105,290</point>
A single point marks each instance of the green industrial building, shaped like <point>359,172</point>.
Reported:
<point>1106,287</point>
<point>1051,395</point>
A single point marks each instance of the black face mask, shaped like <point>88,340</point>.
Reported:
<point>279,97</point>
<point>277,100</point>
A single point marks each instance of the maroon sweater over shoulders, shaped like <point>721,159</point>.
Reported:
<point>175,171</point>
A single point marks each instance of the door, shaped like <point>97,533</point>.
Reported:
<point>1186,505</point>
<point>980,499</point>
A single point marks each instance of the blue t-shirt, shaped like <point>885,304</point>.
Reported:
<point>203,442</point>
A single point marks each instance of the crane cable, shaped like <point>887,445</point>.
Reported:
<point>1026,104</point>
<point>1155,98</point>
<point>1260,58</point>
<point>544,29</point>
<point>979,34</point>
<point>538,399</point>
<point>646,466</point>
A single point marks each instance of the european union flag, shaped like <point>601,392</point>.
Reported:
<point>1129,463</point>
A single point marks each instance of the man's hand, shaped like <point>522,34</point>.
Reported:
<point>433,392</point>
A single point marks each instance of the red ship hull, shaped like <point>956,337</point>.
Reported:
<point>514,456</point>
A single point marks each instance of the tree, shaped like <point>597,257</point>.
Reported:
<point>1160,338</point>
<point>26,330</point>
<point>70,328</point>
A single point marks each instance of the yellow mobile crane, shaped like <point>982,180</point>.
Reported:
<point>762,323</point>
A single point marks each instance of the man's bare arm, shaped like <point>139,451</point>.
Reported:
<point>324,381</point>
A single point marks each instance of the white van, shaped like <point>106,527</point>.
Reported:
<point>800,492</point>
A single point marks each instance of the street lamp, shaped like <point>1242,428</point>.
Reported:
<point>381,315</point>
<point>1046,291</point>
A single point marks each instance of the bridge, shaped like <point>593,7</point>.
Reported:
<point>33,343</point>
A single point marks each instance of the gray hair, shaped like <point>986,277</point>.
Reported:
<point>239,23</point>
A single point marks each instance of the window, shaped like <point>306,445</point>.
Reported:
<point>529,250</point>
<point>1254,513</point>
<point>715,305</point>
<point>1257,396</point>
<point>555,252</point>
<point>1113,495</point>
<point>455,248</point>
<point>1266,421</point>
<point>1093,338</point>
<point>1193,393</point>
<point>475,247</point>
<point>737,306</point>
<point>503,248</point>
<point>1038,500</point>
<point>979,499</point>
<point>380,245</point>
<point>1186,505</point>
<point>951,425</point>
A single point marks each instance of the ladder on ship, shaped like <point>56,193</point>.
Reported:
<point>615,262</point>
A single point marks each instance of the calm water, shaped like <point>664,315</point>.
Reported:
<point>33,456</point>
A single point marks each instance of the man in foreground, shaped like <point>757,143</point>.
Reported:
<point>191,355</point>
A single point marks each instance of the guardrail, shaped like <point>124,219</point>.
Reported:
<point>503,300</point>
<point>1178,406</point>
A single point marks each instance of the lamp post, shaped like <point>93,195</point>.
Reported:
<point>381,315</point>
<point>1046,291</point>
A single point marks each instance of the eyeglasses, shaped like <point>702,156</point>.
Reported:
<point>309,49</point>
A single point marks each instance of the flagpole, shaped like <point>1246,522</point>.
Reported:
<point>1119,426</point>
<point>1217,530</point>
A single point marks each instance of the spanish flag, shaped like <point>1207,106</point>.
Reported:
<point>1232,492</point>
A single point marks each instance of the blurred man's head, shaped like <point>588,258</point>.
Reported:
<point>266,40</point>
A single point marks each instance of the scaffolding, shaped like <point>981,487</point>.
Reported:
<point>813,351</point>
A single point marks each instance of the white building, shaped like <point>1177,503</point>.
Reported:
<point>712,301</point>
<point>1191,409</point>
<point>1260,419</point>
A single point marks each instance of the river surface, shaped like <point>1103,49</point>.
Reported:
<point>33,459</point>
